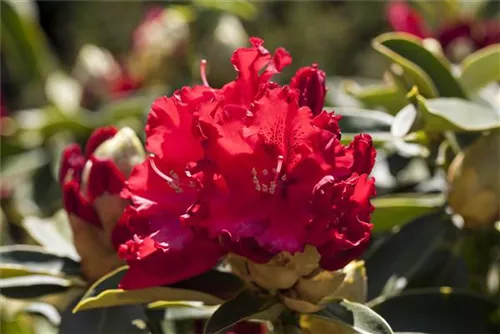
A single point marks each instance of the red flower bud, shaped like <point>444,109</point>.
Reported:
<point>310,81</point>
<point>90,185</point>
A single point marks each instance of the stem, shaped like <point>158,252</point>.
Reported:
<point>153,324</point>
<point>452,140</point>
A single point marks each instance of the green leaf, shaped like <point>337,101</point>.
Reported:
<point>33,286</point>
<point>105,292</point>
<point>242,307</point>
<point>443,114</point>
<point>356,316</point>
<point>242,8</point>
<point>22,260</point>
<point>480,68</point>
<point>431,75</point>
<point>384,96</point>
<point>395,210</point>
<point>408,253</point>
<point>438,311</point>
<point>53,233</point>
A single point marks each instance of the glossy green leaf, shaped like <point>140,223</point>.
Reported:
<point>429,73</point>
<point>105,292</point>
<point>384,96</point>
<point>242,307</point>
<point>480,68</point>
<point>395,210</point>
<point>438,311</point>
<point>443,114</point>
<point>408,253</point>
<point>356,316</point>
<point>33,286</point>
<point>26,260</point>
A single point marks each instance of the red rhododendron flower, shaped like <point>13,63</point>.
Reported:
<point>103,176</point>
<point>248,168</point>
<point>465,32</point>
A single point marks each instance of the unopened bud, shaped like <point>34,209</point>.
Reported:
<point>475,182</point>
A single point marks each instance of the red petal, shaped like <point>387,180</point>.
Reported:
<point>249,62</point>
<point>71,159</point>
<point>310,82</point>
<point>341,230</point>
<point>104,177</point>
<point>76,204</point>
<point>363,153</point>
<point>170,136</point>
<point>99,136</point>
<point>168,254</point>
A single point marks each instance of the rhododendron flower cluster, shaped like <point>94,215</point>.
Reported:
<point>253,168</point>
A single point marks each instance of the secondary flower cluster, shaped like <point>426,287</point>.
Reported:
<point>253,168</point>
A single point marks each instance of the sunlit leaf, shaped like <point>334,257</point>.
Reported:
<point>443,114</point>
<point>105,292</point>
<point>480,68</point>
<point>53,233</point>
<point>356,316</point>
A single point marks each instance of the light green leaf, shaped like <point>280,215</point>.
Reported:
<point>480,68</point>
<point>443,114</point>
<point>105,292</point>
<point>242,307</point>
<point>431,75</point>
<point>356,316</point>
<point>53,233</point>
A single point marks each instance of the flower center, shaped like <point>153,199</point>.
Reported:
<point>173,180</point>
<point>276,174</point>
